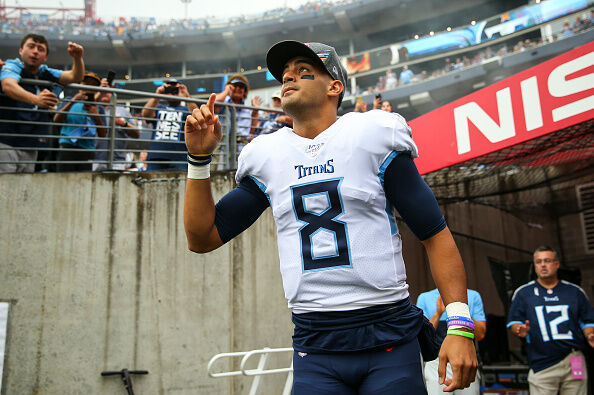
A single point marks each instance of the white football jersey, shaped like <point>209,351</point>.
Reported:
<point>337,238</point>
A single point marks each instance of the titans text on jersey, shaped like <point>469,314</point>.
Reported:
<point>304,171</point>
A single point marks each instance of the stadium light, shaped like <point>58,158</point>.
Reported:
<point>416,36</point>
<point>449,29</point>
<point>431,33</point>
<point>473,23</point>
<point>259,67</point>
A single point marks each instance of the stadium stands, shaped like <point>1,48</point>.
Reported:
<point>489,51</point>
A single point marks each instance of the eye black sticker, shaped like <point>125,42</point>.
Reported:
<point>307,77</point>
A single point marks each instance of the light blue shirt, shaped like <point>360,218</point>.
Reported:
<point>406,76</point>
<point>427,302</point>
<point>14,67</point>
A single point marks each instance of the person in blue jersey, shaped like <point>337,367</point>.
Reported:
<point>557,321</point>
<point>80,116</point>
<point>332,185</point>
<point>34,52</point>
<point>434,309</point>
<point>168,126</point>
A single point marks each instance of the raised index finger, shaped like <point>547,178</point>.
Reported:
<point>211,102</point>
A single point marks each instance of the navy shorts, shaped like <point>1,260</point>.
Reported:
<point>394,371</point>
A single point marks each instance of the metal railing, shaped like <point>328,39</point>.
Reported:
<point>258,372</point>
<point>160,143</point>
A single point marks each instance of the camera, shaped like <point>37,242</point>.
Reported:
<point>378,96</point>
<point>171,89</point>
<point>110,77</point>
<point>90,96</point>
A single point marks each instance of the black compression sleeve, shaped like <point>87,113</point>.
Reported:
<point>239,209</point>
<point>411,196</point>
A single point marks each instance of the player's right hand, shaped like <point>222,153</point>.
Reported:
<point>523,329</point>
<point>203,129</point>
<point>46,99</point>
<point>460,353</point>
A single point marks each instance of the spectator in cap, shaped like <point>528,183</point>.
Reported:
<point>33,52</point>
<point>236,91</point>
<point>274,120</point>
<point>168,125</point>
<point>82,118</point>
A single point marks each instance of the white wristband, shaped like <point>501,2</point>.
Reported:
<point>457,309</point>
<point>198,172</point>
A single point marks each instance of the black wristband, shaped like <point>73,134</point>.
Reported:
<point>199,160</point>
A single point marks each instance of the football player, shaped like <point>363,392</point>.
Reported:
<point>331,184</point>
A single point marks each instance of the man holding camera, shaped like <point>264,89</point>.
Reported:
<point>168,122</point>
<point>34,52</point>
<point>80,117</point>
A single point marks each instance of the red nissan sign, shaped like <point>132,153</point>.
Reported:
<point>540,100</point>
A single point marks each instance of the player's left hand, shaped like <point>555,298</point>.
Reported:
<point>75,50</point>
<point>460,353</point>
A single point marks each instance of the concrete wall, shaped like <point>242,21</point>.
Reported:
<point>98,276</point>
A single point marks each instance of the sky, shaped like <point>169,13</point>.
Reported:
<point>166,9</point>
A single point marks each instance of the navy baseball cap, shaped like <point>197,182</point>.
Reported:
<point>323,55</point>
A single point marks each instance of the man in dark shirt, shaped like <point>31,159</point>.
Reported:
<point>557,321</point>
<point>34,52</point>
<point>168,126</point>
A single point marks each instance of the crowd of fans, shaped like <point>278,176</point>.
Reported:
<point>418,73</point>
<point>77,128</point>
<point>124,26</point>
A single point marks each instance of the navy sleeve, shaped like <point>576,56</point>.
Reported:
<point>517,311</point>
<point>239,209</point>
<point>411,196</point>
